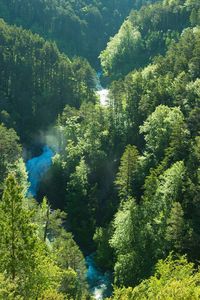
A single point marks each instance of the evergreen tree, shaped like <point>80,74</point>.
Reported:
<point>23,256</point>
<point>18,237</point>
<point>174,279</point>
<point>128,244</point>
<point>176,227</point>
<point>127,170</point>
<point>10,151</point>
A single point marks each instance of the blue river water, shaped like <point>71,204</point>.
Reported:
<point>37,167</point>
<point>99,283</point>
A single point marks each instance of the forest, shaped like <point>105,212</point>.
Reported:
<point>99,149</point>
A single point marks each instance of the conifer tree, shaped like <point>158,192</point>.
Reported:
<point>176,227</point>
<point>125,176</point>
<point>24,258</point>
<point>17,239</point>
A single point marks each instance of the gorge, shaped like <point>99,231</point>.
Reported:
<point>99,149</point>
<point>99,282</point>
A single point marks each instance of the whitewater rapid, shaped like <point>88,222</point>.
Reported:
<point>99,282</point>
<point>101,92</point>
<point>103,96</point>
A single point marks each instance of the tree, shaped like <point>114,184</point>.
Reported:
<point>17,233</point>
<point>10,150</point>
<point>122,49</point>
<point>165,128</point>
<point>21,174</point>
<point>128,242</point>
<point>52,80</point>
<point>51,295</point>
<point>176,227</point>
<point>174,279</point>
<point>145,34</point>
<point>8,289</point>
<point>49,222</point>
<point>104,252</point>
<point>78,205</point>
<point>23,257</point>
<point>71,260</point>
<point>126,174</point>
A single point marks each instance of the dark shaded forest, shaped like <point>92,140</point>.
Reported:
<point>80,27</point>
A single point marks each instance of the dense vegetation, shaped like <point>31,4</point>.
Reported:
<point>30,269</point>
<point>37,81</point>
<point>173,279</point>
<point>93,22</point>
<point>125,178</point>
<point>146,33</point>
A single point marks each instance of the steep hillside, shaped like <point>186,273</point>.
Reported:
<point>146,33</point>
<point>37,81</point>
<point>79,27</point>
<point>117,181</point>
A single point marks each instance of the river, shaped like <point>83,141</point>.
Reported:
<point>99,282</point>
<point>103,96</point>
<point>37,167</point>
<point>102,92</point>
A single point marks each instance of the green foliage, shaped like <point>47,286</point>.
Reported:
<point>81,219</point>
<point>146,33</point>
<point>17,234</point>
<point>69,283</point>
<point>158,203</point>
<point>51,295</point>
<point>137,203</point>
<point>49,222</point>
<point>79,27</point>
<point>69,257</point>
<point>126,46</point>
<point>7,289</point>
<point>126,174</point>
<point>10,150</point>
<point>104,253</point>
<point>153,108</point>
<point>127,243</point>
<point>161,101</point>
<point>173,279</point>
<point>85,165</point>
<point>19,243</point>
<point>170,81</point>
<point>161,127</point>
<point>138,227</point>
<point>64,251</point>
<point>50,79</point>
<point>176,227</point>
<point>38,257</point>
